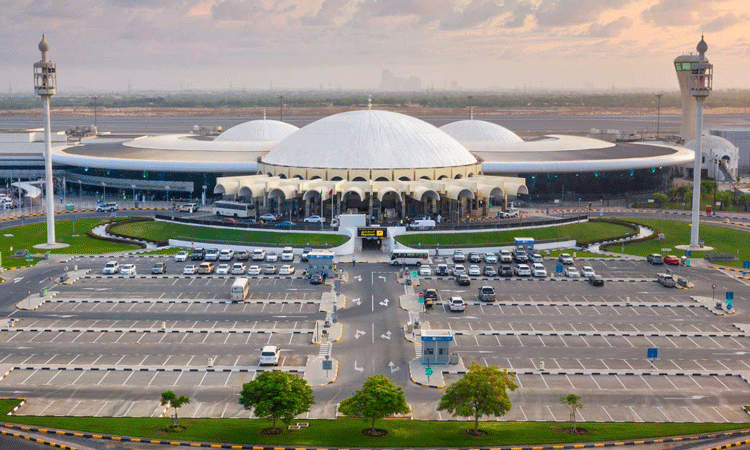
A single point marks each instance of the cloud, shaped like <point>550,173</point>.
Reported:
<point>670,13</point>
<point>238,10</point>
<point>56,9</point>
<point>611,29</point>
<point>559,13</point>
<point>331,12</point>
<point>475,13</point>
<point>723,22</point>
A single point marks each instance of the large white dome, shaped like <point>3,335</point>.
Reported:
<point>257,131</point>
<point>369,140</point>
<point>480,131</point>
<point>711,142</point>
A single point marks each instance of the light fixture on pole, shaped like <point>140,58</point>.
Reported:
<point>658,114</point>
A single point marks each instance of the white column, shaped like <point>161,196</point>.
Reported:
<point>48,174</point>
<point>695,216</point>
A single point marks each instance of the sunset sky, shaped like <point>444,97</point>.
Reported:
<point>480,44</point>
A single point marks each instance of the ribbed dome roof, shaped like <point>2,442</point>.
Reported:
<point>369,140</point>
<point>479,131</point>
<point>257,131</point>
<point>711,142</point>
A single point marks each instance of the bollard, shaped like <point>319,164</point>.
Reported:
<point>75,267</point>
<point>210,362</point>
<point>541,365</point>
<point>164,325</point>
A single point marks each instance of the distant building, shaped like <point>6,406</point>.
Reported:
<point>390,82</point>
<point>683,67</point>
<point>740,137</point>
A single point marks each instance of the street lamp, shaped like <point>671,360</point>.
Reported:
<point>80,193</point>
<point>658,114</point>
<point>281,107</point>
<point>203,199</point>
<point>104,191</point>
<point>134,198</point>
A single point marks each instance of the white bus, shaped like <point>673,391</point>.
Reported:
<point>410,257</point>
<point>240,289</point>
<point>232,209</point>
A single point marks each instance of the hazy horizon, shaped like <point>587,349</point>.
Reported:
<point>209,45</point>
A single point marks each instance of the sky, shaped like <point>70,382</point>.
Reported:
<point>102,45</point>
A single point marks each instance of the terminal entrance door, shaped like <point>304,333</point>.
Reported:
<point>370,244</point>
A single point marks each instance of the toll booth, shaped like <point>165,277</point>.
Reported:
<point>320,262</point>
<point>525,244</point>
<point>436,346</point>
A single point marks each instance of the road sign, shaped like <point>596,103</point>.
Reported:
<point>428,371</point>
<point>652,353</point>
<point>666,249</point>
<point>688,253</point>
<point>327,364</point>
<point>559,268</point>
<point>746,264</point>
<point>414,274</point>
<point>713,286</point>
<point>730,296</point>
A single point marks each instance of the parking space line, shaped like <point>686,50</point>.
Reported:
<point>694,343</point>
<point>699,364</point>
<point>696,383</point>
<point>720,414</point>
<point>665,414</point>
<point>629,343</point>
<point>595,382</point>
<point>738,342</point>
<point>722,383</point>
<point>551,414</point>
<point>53,377</point>
<point>723,365</point>
<point>720,346</point>
<point>608,415</point>
<point>545,382</point>
<point>691,413</point>
<point>125,382</point>
<point>153,378</point>
<point>24,361</point>
<point>646,382</point>
<point>620,381</point>
<point>102,378</point>
<point>636,414</point>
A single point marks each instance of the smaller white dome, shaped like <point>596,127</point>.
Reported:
<point>479,131</point>
<point>257,131</point>
<point>715,143</point>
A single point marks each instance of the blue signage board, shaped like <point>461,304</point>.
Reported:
<point>328,365</point>
<point>730,295</point>
<point>652,353</point>
<point>746,264</point>
<point>559,268</point>
<point>688,253</point>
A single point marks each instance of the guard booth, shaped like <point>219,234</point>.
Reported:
<point>320,262</point>
<point>436,346</point>
<point>525,244</point>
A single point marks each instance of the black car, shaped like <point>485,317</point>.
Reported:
<point>463,280</point>
<point>596,280</point>
<point>505,271</point>
<point>242,255</point>
<point>159,268</point>
<point>198,254</point>
<point>475,257</point>
<point>489,271</point>
<point>430,297</point>
<point>316,279</point>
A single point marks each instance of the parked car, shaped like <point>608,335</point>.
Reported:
<point>430,297</point>
<point>316,279</point>
<point>489,271</point>
<point>521,256</point>
<point>537,258</point>
<point>128,269</point>
<point>181,256</point>
<point>285,224</point>
<point>565,259</point>
<point>198,254</point>
<point>506,257</point>
<point>596,280</point>
<point>253,270</point>
<point>111,268</point>
<point>21,253</point>
<point>159,268</point>
<point>259,254</point>
<point>572,272</point>
<point>474,271</point>
<point>487,294</point>
<point>269,355</point>
<point>223,269</point>
<point>189,269</point>
<point>505,270</point>
<point>655,259</point>
<point>463,280</point>
<point>539,270</point>
<point>212,254</point>
<point>475,257</point>
<point>107,207</point>
<point>441,269</point>
<point>268,217</point>
<point>206,268</point>
<point>238,269</point>
<point>587,271</point>
<point>226,254</point>
<point>458,256</point>
<point>490,258</point>
<point>522,270</point>
<point>314,219</point>
<point>509,214</point>
<point>270,270</point>
<point>242,255</point>
<point>459,269</point>
<point>672,260</point>
<point>287,254</point>
<point>425,270</point>
<point>456,304</point>
<point>666,280</point>
<point>305,251</point>
<point>286,269</point>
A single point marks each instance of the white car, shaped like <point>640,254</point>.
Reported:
<point>522,270</point>
<point>475,271</point>
<point>572,272</point>
<point>509,213</point>
<point>253,270</point>
<point>181,256</point>
<point>425,270</point>
<point>223,269</point>
<point>272,257</point>
<point>259,254</point>
<point>268,217</point>
<point>128,269</point>
<point>539,270</point>
<point>458,269</point>
<point>111,268</point>
<point>287,254</point>
<point>269,355</point>
<point>587,271</point>
<point>226,254</point>
<point>286,269</point>
<point>506,257</point>
<point>190,269</point>
<point>238,269</point>
<point>566,259</point>
<point>314,219</point>
<point>490,258</point>
<point>456,304</point>
<point>537,258</point>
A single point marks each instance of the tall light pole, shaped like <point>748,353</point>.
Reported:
<point>658,114</point>
<point>45,85</point>
<point>96,97</point>
<point>701,83</point>
<point>281,108</point>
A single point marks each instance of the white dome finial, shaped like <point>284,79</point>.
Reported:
<point>43,44</point>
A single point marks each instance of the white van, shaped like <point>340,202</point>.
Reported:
<point>240,289</point>
<point>287,254</point>
<point>422,224</point>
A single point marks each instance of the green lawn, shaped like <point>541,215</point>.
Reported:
<point>26,236</point>
<point>346,432</point>
<point>163,251</point>
<point>723,239</point>
<point>162,231</point>
<point>582,232</point>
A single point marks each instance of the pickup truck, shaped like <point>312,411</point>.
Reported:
<point>487,294</point>
<point>666,280</point>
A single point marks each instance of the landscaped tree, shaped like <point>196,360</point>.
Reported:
<point>573,403</point>
<point>277,396</point>
<point>378,398</point>
<point>482,391</point>
<point>660,199</point>
<point>171,399</point>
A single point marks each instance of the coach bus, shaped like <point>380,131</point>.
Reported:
<point>232,209</point>
<point>410,257</point>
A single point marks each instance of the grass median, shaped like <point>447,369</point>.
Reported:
<point>347,432</point>
<point>163,231</point>
<point>581,232</point>
<point>722,239</point>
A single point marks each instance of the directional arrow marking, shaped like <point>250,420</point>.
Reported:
<point>384,302</point>
<point>358,334</point>
<point>358,369</point>
<point>394,368</point>
<point>16,280</point>
<point>358,278</point>
<point>357,301</point>
<point>381,276</point>
<point>694,397</point>
<point>387,335</point>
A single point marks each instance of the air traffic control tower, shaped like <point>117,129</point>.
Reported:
<point>683,66</point>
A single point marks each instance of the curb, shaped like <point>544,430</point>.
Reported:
<point>37,440</point>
